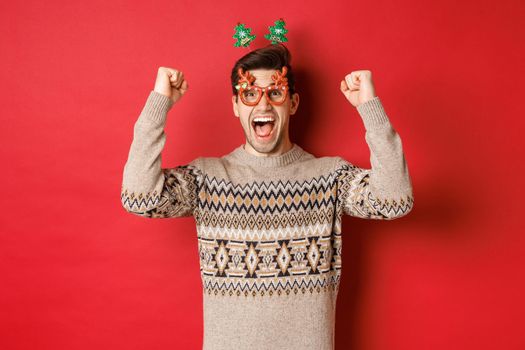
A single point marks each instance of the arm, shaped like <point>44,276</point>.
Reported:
<point>147,189</point>
<point>385,191</point>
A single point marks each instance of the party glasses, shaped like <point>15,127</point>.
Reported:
<point>251,95</point>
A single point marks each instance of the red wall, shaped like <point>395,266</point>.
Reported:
<point>78,272</point>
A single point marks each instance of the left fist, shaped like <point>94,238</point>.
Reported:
<point>358,87</point>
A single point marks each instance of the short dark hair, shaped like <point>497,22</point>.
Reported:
<point>273,56</point>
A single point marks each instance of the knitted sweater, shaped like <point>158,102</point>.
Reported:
<point>268,228</point>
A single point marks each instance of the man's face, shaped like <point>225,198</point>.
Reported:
<point>269,135</point>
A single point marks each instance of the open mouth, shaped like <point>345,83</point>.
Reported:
<point>263,126</point>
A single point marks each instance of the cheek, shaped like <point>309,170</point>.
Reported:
<point>245,114</point>
<point>245,120</point>
<point>283,117</point>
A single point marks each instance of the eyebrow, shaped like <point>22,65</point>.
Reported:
<point>266,85</point>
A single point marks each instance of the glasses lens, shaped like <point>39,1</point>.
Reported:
<point>250,95</point>
<point>277,93</point>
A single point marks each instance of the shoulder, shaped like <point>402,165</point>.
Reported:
<point>325,162</point>
<point>203,163</point>
<point>323,166</point>
<point>212,166</point>
<point>340,164</point>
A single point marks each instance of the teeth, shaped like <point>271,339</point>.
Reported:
<point>263,119</point>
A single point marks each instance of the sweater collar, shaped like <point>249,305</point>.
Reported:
<point>271,161</point>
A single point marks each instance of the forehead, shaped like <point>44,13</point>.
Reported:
<point>263,77</point>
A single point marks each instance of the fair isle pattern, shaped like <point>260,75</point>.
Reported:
<point>177,199</point>
<point>278,238</point>
<point>269,238</point>
<point>263,227</point>
<point>354,192</point>
<point>267,198</point>
<point>252,268</point>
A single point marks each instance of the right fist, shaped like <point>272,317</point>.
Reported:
<point>171,83</point>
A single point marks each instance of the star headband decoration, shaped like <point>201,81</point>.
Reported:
<point>244,37</point>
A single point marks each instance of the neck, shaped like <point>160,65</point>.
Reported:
<point>284,147</point>
<point>278,161</point>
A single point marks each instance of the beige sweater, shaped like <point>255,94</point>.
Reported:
<point>268,228</point>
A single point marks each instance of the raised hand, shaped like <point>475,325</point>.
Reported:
<point>358,87</point>
<point>171,83</point>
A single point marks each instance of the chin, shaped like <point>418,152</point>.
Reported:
<point>264,148</point>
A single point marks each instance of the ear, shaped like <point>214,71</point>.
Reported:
<point>235,107</point>
<point>294,103</point>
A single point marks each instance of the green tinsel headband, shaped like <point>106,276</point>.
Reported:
<point>276,35</point>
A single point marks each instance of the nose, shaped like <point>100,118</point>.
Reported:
<point>263,103</point>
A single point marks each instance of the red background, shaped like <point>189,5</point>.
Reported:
<point>78,272</point>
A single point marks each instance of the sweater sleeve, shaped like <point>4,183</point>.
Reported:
<point>385,191</point>
<point>147,189</point>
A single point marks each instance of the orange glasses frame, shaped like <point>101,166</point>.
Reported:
<point>246,81</point>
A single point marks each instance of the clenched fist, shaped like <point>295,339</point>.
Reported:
<point>171,83</point>
<point>358,87</point>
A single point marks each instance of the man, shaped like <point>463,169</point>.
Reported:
<point>268,214</point>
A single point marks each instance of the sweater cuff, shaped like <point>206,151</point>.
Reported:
<point>373,113</point>
<point>157,107</point>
